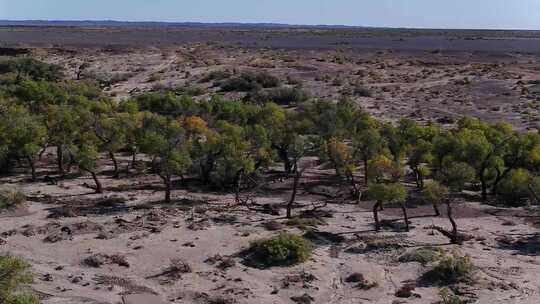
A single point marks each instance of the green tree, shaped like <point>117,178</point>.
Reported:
<point>64,124</point>
<point>284,130</point>
<point>455,176</point>
<point>114,132</point>
<point>367,142</point>
<point>85,154</point>
<point>390,193</point>
<point>434,193</point>
<point>521,151</point>
<point>22,133</point>
<point>165,140</point>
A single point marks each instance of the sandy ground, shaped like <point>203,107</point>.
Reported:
<point>199,226</point>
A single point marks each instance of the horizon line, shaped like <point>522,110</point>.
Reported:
<point>262,23</point>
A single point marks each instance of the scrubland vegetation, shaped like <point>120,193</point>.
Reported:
<point>227,145</point>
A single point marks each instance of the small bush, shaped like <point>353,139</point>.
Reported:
<point>362,91</point>
<point>281,250</point>
<point>304,223</point>
<point>178,266</point>
<point>448,298</point>
<point>421,255</point>
<point>15,275</point>
<point>452,269</point>
<point>11,197</point>
<point>283,96</point>
<point>249,81</point>
<point>216,75</point>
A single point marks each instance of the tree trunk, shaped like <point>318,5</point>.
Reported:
<point>416,177</point>
<point>455,237</point>
<point>500,176</point>
<point>293,194</point>
<point>483,184</point>
<point>133,158</point>
<point>436,208</point>
<point>168,187</point>
<point>60,159</point>
<point>533,193</point>
<point>376,215</point>
<point>355,189</point>
<point>206,169</point>
<point>32,168</point>
<point>405,216</point>
<point>42,151</point>
<point>366,178</point>
<point>99,188</point>
<point>283,154</point>
<point>238,184</point>
<point>115,164</point>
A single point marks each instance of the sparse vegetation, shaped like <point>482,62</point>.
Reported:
<point>11,197</point>
<point>423,256</point>
<point>451,269</point>
<point>249,81</point>
<point>15,275</point>
<point>282,250</point>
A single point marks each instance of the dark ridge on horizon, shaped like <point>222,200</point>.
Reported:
<point>192,24</point>
<point>164,24</point>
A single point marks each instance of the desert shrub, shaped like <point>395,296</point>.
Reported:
<point>514,188</point>
<point>216,75</point>
<point>179,266</point>
<point>190,91</point>
<point>297,82</point>
<point>273,225</point>
<point>448,298</point>
<point>11,197</point>
<point>304,223</point>
<point>281,250</point>
<point>154,77</point>
<point>362,91</point>
<point>421,255</point>
<point>249,81</point>
<point>15,274</point>
<point>452,269</point>
<point>29,68</point>
<point>283,96</point>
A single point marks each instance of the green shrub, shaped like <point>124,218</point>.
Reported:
<point>452,269</point>
<point>281,250</point>
<point>15,274</point>
<point>11,197</point>
<point>421,255</point>
<point>28,68</point>
<point>514,188</point>
<point>249,81</point>
<point>283,96</point>
<point>23,298</point>
<point>448,298</point>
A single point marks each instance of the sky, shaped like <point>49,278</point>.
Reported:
<point>484,14</point>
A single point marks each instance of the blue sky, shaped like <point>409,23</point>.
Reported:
<point>509,14</point>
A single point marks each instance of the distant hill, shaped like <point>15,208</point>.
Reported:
<point>151,24</point>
